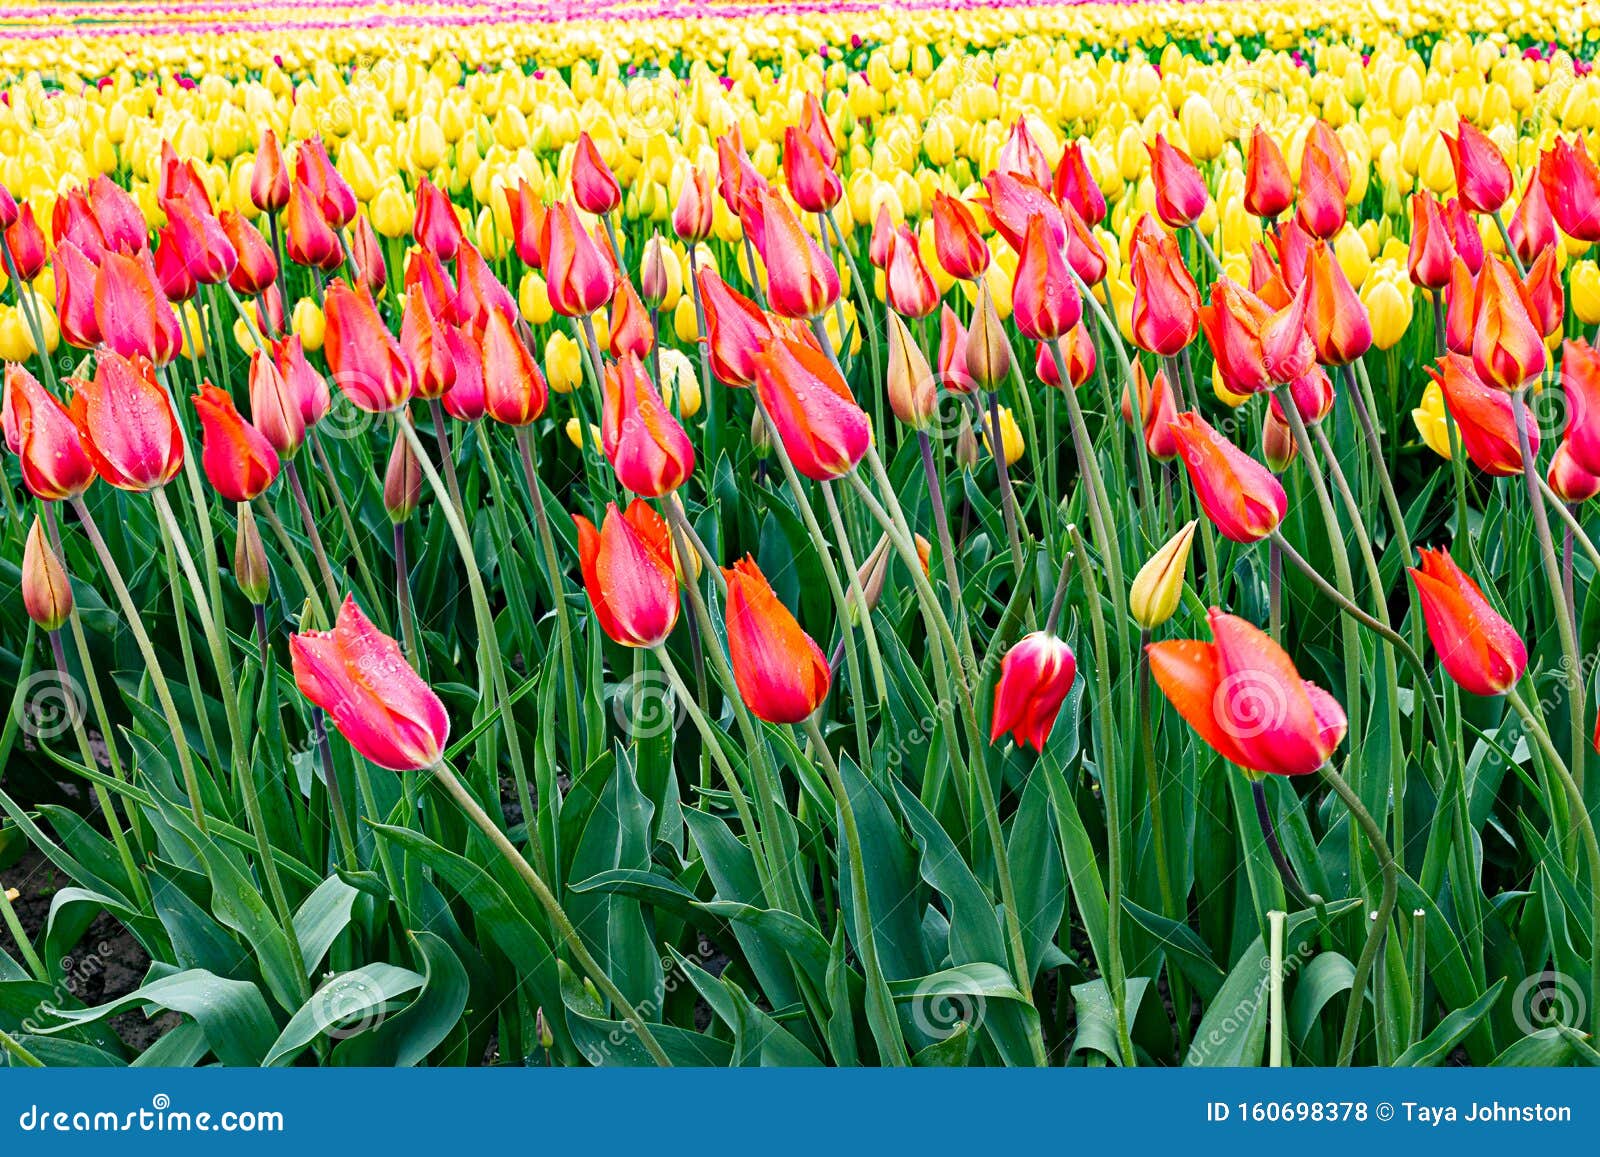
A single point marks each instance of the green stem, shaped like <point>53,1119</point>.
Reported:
<point>528,451</point>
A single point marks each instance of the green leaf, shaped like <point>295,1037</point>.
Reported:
<point>1097,1018</point>
<point>231,1013</point>
<point>1451,1031</point>
<point>350,1003</point>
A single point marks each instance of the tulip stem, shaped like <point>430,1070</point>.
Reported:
<point>1205,247</point>
<point>447,458</point>
<point>191,670</point>
<point>1275,923</point>
<point>152,661</point>
<point>863,317</point>
<point>107,809</point>
<point>1152,775</point>
<point>336,495</point>
<point>528,451</point>
<point>1286,872</point>
<point>1107,761</point>
<point>1008,496</point>
<point>547,900</point>
<point>211,624</point>
<point>488,641</point>
<point>1574,528</point>
<point>858,693</point>
<point>11,1045</point>
<point>947,549</point>
<point>712,388</point>
<point>1136,404</point>
<point>292,553</point>
<point>1511,249</point>
<point>1100,513</point>
<point>29,311</point>
<point>1379,919</point>
<point>402,592</point>
<point>878,998</point>
<point>1569,640</point>
<point>309,522</point>
<point>1585,823</point>
<point>341,822</point>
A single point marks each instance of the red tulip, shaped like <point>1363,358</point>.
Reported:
<point>120,221</point>
<point>514,389</point>
<point>274,410</point>
<point>1020,154</point>
<point>579,275</point>
<point>953,373</point>
<point>130,310</point>
<point>1507,345</point>
<point>1479,649</point>
<point>628,572</point>
<point>1483,179</point>
<point>736,330</point>
<point>1074,185</point>
<point>1337,320</point>
<point>179,181</point>
<point>41,433</point>
<point>881,241</point>
<point>1459,300</point>
<point>1331,155</point>
<point>1312,393</point>
<point>737,178</point>
<point>200,242</point>
<point>1322,208</point>
<point>1077,350</point>
<point>308,238</point>
<point>1158,411</point>
<point>360,677</point>
<point>1180,190</point>
<point>813,184</point>
<point>801,281</point>
<point>1256,347</point>
<point>1484,417</point>
<point>1044,297</point>
<point>73,220</point>
<point>781,673</point>
<point>692,216</point>
<point>908,285</point>
<point>306,387</point>
<point>172,271</point>
<point>1268,190</point>
<point>74,278</point>
<point>1570,481</point>
<point>527,221</point>
<point>643,442</point>
<point>465,399</point>
<point>1580,380</point>
<point>26,241</point>
<point>1084,251</point>
<point>126,423</point>
<point>594,187</point>
<point>1244,698</point>
<point>1293,245</point>
<point>959,246</point>
<point>815,125</point>
<point>238,459</point>
<point>1464,234</point>
<point>435,224</point>
<point>1166,303</point>
<point>1571,185</point>
<point>438,288</point>
<point>366,361</point>
<point>366,255</point>
<point>328,188</point>
<point>1546,300</point>
<point>1012,202</point>
<point>1432,253</point>
<point>269,177</point>
<point>8,208</point>
<point>256,268</point>
<point>478,291</point>
<point>422,340</point>
<point>1035,676</point>
<point>402,478</point>
<point>1238,494</point>
<point>631,331</point>
<point>1533,228</point>
<point>822,428</point>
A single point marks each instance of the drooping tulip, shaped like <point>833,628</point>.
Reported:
<point>1237,493</point>
<point>126,424</point>
<point>1268,190</point>
<point>1480,650</point>
<point>1484,417</point>
<point>238,459</point>
<point>822,428</point>
<point>1507,345</point>
<point>580,276</point>
<point>959,246</point>
<point>1180,189</point>
<point>41,433</point>
<point>514,389</point>
<point>366,361</point>
<point>360,677</point>
<point>644,443</point>
<point>801,281</point>
<point>1483,179</point>
<point>1243,697</point>
<point>627,566</point>
<point>1044,297</point>
<point>1035,676</point>
<point>780,671</point>
<point>594,186</point>
<point>736,330</point>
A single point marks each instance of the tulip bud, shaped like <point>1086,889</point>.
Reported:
<point>760,436</point>
<point>988,349</point>
<point>913,391</point>
<point>250,568</point>
<point>1278,446</point>
<point>402,480</point>
<point>1159,584</point>
<point>871,574</point>
<point>46,593</point>
<point>653,277</point>
<point>1011,442</point>
<point>966,444</point>
<point>1035,676</point>
<point>1571,482</point>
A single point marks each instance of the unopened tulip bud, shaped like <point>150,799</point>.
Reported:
<point>913,392</point>
<point>654,280</point>
<point>250,569</point>
<point>46,593</point>
<point>1159,584</point>
<point>760,435</point>
<point>966,444</point>
<point>402,481</point>
<point>1278,446</point>
<point>988,349</point>
<point>871,574</point>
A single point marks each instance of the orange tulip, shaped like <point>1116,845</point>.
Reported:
<point>1180,190</point>
<point>1013,201</point>
<point>1337,320</point>
<point>814,123</point>
<point>238,459</point>
<point>1547,301</point>
<point>1074,185</point>
<point>120,221</point>
<point>1432,253</point>
<point>822,428</point>
<point>1571,185</point>
<point>953,373</point>
<point>130,310</point>
<point>1158,410</point>
<point>628,571</point>
<point>256,267</point>
<point>1244,698</point>
<point>200,241</point>
<point>1459,299</point>
<point>957,243</point>
<point>269,177</point>
<point>41,433</point>
<point>631,331</point>
<point>514,389</point>
<point>908,285</point>
<point>1035,676</point>
<point>1533,228</point>
<point>579,275</point>
<point>1570,481</point>
<point>781,673</point>
<point>1312,393</point>
<point>736,330</point>
<point>644,443</point>
<point>1077,350</point>
<point>1483,179</point>
<point>1166,303</point>
<point>1044,297</point>
<point>1484,417</point>
<point>422,340</point>
<point>478,291</point>
<point>273,409</point>
<point>1256,347</point>
<point>1322,209</point>
<point>692,216</point>
<point>1237,493</point>
<point>74,278</point>
<point>737,178</point>
<point>881,241</point>
<point>801,281</point>
<point>1268,190</point>
<point>1507,346</point>
<point>438,289</point>
<point>360,677</point>
<point>308,238</point>
<point>1464,233</point>
<point>126,423</point>
<point>306,387</point>
<point>1580,380</point>
<point>1479,649</point>
<point>813,184</point>
<point>366,361</point>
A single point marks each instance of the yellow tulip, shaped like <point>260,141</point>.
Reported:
<point>533,299</point>
<point>16,343</point>
<point>391,211</point>
<point>1432,423</point>
<point>563,363</point>
<point>1389,309</point>
<point>308,322</point>
<point>1010,436</point>
<point>1158,586</point>
<point>1585,292</point>
<point>685,323</point>
<point>680,380</point>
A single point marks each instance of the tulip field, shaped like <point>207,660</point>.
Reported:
<point>799,534</point>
